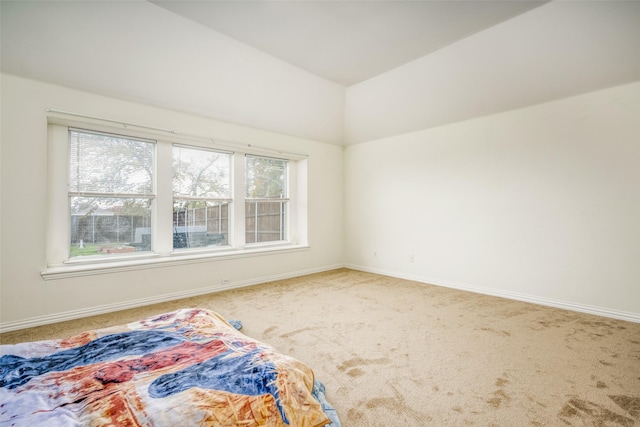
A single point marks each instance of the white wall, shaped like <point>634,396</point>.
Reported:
<point>541,203</point>
<point>560,49</point>
<point>26,298</point>
<point>139,51</point>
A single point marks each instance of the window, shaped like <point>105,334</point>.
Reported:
<point>201,197</point>
<point>110,193</point>
<point>141,196</point>
<point>266,199</point>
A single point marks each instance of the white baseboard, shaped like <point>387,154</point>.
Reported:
<point>598,311</point>
<point>109,308</point>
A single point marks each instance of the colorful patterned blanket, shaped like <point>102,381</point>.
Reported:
<point>188,367</point>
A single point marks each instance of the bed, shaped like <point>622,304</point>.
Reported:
<point>189,367</point>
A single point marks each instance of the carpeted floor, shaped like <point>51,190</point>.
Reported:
<point>393,352</point>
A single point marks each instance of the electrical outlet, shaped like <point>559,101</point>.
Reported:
<point>225,281</point>
<point>411,258</point>
<point>375,253</point>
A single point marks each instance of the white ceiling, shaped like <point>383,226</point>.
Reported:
<point>362,70</point>
<point>348,42</point>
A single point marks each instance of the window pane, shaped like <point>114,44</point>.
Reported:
<point>201,173</point>
<point>199,224</point>
<point>265,221</point>
<point>101,225</point>
<point>103,163</point>
<point>266,178</point>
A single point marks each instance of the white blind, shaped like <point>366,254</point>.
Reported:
<point>101,163</point>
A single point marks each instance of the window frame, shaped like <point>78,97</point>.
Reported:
<point>59,262</point>
<point>150,195</point>
<point>284,200</point>
<point>208,199</point>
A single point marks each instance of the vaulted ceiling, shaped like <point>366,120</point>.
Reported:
<point>348,41</point>
<point>341,72</point>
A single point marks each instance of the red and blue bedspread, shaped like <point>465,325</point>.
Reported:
<point>185,368</point>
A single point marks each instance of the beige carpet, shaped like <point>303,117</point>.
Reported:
<point>393,352</point>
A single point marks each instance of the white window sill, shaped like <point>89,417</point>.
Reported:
<point>132,263</point>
